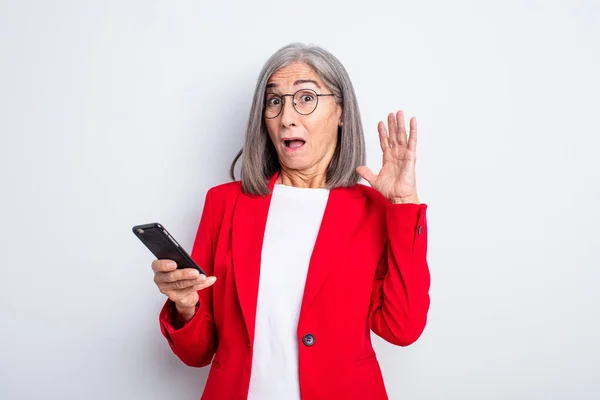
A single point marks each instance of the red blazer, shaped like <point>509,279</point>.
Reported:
<point>368,271</point>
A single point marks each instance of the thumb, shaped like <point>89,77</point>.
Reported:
<point>367,174</point>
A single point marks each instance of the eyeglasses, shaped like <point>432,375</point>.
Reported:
<point>305,101</point>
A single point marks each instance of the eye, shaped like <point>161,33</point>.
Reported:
<point>274,101</point>
<point>307,97</point>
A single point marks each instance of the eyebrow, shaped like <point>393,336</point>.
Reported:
<point>298,82</point>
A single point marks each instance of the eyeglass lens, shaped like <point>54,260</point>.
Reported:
<point>305,102</point>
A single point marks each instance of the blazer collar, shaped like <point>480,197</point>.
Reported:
<point>340,219</point>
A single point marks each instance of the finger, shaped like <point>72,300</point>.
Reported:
<point>173,276</point>
<point>383,137</point>
<point>163,265</point>
<point>367,174</point>
<point>177,295</point>
<point>182,284</point>
<point>412,140</point>
<point>393,138</point>
<point>401,128</point>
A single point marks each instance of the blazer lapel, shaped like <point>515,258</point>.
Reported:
<point>248,231</point>
<point>342,213</point>
<point>340,219</point>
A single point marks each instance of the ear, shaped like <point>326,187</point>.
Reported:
<point>339,114</point>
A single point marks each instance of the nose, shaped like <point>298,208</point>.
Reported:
<point>289,116</point>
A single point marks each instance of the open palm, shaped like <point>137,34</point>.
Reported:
<point>396,180</point>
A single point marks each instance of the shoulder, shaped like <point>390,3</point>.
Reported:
<point>221,199</point>
<point>374,202</point>
<point>231,190</point>
<point>225,190</point>
<point>373,197</point>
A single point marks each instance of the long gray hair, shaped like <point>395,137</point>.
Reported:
<point>260,159</point>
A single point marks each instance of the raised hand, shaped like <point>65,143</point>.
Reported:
<point>396,180</point>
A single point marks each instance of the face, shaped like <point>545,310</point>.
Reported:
<point>316,133</point>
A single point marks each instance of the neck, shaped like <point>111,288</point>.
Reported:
<point>312,180</point>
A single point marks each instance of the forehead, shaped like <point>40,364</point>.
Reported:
<point>294,74</point>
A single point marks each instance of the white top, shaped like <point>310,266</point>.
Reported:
<point>293,223</point>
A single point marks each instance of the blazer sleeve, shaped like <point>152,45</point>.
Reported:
<point>195,343</point>
<point>400,295</point>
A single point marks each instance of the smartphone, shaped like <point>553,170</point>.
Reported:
<point>164,246</point>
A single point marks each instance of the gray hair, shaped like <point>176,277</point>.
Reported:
<point>261,161</point>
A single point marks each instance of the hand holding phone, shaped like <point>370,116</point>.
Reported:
<point>181,286</point>
<point>175,272</point>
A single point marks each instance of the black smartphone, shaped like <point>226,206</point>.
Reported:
<point>164,246</point>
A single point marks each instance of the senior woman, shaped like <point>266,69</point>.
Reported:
<point>303,260</point>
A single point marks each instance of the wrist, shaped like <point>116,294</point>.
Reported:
<point>186,312</point>
<point>405,200</point>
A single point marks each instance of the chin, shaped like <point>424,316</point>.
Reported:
<point>297,164</point>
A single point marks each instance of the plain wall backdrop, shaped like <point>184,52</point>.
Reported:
<point>115,113</point>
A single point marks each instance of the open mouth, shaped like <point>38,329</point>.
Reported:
<point>294,143</point>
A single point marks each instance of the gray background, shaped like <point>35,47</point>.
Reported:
<point>114,113</point>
